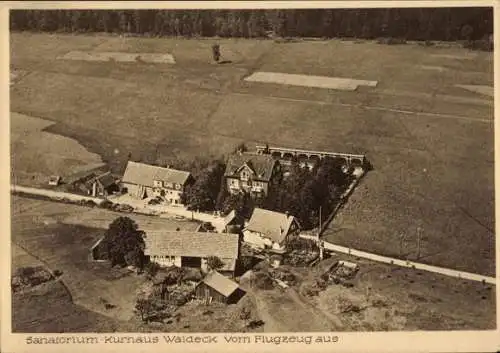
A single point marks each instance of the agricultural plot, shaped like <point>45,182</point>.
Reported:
<point>118,57</point>
<point>37,154</point>
<point>336,83</point>
<point>430,142</point>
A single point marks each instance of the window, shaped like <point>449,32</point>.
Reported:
<point>158,183</point>
<point>177,186</point>
<point>244,175</point>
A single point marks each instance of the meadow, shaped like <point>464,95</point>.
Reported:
<point>430,142</point>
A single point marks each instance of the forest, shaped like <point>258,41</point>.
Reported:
<point>421,24</point>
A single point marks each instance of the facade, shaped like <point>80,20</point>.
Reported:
<point>149,181</point>
<point>252,173</point>
<point>269,229</point>
<point>216,287</point>
<point>192,249</point>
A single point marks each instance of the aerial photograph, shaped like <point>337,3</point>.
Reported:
<point>252,170</point>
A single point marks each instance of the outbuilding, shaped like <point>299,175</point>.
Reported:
<point>216,287</point>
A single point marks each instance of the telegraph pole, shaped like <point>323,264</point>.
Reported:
<point>419,229</point>
<point>401,239</point>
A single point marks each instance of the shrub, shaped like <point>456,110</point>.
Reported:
<point>106,204</point>
<point>263,281</point>
<point>391,41</point>
<point>482,44</point>
<point>151,269</point>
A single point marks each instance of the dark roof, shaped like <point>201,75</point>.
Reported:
<point>145,174</point>
<point>195,244</point>
<point>260,164</point>
<point>273,225</point>
<point>221,284</point>
<point>105,179</point>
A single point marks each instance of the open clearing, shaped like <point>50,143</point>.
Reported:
<point>37,154</point>
<point>119,57</point>
<point>337,83</point>
<point>430,142</point>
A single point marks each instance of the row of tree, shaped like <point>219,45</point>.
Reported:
<point>447,24</point>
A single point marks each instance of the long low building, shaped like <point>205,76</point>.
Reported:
<point>146,181</point>
<point>192,249</point>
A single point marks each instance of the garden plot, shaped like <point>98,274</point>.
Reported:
<point>484,90</point>
<point>118,57</point>
<point>337,83</point>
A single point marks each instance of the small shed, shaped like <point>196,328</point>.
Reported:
<point>99,251</point>
<point>55,180</point>
<point>216,287</point>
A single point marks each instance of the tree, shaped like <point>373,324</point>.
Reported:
<point>466,32</point>
<point>216,52</point>
<point>203,194</point>
<point>215,263</point>
<point>125,243</point>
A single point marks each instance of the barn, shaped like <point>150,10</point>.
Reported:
<point>216,287</point>
<point>192,249</point>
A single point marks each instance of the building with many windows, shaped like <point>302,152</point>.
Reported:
<point>252,173</point>
<point>146,181</point>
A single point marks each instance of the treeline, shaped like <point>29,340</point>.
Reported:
<point>446,24</point>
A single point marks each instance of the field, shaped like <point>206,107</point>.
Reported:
<point>430,142</point>
<point>37,154</point>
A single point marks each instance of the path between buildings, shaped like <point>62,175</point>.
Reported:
<point>403,263</point>
<point>218,224</point>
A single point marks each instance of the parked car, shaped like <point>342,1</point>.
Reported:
<point>124,208</point>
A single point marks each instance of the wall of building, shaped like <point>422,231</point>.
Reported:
<point>235,185</point>
<point>166,261</point>
<point>172,196</point>
<point>203,292</point>
<point>256,239</point>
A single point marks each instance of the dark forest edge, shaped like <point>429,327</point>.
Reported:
<point>473,26</point>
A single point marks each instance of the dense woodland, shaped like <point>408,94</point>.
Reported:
<point>446,24</point>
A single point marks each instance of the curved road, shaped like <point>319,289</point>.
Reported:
<point>409,264</point>
<point>329,246</point>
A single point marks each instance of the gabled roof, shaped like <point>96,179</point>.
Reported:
<point>221,284</point>
<point>274,225</point>
<point>145,174</point>
<point>105,179</point>
<point>230,217</point>
<point>195,244</point>
<point>262,165</point>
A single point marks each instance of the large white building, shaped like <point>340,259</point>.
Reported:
<point>144,181</point>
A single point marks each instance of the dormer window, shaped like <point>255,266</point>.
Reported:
<point>245,175</point>
<point>158,183</point>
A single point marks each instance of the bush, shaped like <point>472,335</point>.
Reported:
<point>263,281</point>
<point>482,45</point>
<point>106,204</point>
<point>151,269</point>
<point>391,41</point>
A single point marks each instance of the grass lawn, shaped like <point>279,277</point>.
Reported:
<point>196,108</point>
